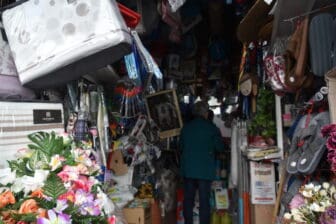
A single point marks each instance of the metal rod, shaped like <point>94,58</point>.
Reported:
<point>311,12</point>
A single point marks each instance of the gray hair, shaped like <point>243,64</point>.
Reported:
<point>200,109</point>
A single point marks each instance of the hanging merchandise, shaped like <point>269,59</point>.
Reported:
<point>135,147</point>
<point>127,96</point>
<point>153,70</point>
<point>322,41</point>
<point>8,74</point>
<point>102,126</point>
<point>218,50</point>
<point>149,16</point>
<point>296,57</point>
<point>75,39</point>
<point>275,68</point>
<point>176,4</point>
<point>172,19</point>
<point>189,45</point>
<point>330,78</point>
<point>308,145</point>
<point>81,128</point>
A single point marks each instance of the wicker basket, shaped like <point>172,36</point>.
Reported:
<point>330,78</point>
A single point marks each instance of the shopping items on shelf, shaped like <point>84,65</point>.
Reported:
<point>64,39</point>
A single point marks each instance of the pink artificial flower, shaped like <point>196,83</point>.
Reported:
<point>69,173</point>
<point>297,201</point>
<point>327,129</point>
<point>82,169</point>
<point>82,183</point>
<point>111,220</point>
<point>69,196</point>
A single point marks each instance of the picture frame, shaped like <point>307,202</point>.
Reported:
<point>163,108</point>
<point>188,69</point>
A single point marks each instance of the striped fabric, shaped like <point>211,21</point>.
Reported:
<point>18,119</point>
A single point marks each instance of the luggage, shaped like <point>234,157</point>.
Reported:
<point>58,41</point>
<point>18,119</point>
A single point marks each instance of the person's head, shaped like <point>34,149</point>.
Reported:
<point>201,109</point>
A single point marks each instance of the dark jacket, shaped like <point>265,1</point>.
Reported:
<point>199,140</point>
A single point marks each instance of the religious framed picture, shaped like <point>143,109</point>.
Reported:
<point>164,109</point>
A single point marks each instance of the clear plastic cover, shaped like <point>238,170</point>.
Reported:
<point>47,35</point>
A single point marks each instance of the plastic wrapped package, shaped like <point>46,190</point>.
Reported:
<point>121,195</point>
<point>19,119</point>
<point>64,39</point>
<point>8,74</point>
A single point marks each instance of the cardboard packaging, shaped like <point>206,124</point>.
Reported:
<point>138,212</point>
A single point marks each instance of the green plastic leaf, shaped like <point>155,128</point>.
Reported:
<point>87,219</point>
<point>20,167</point>
<point>30,217</point>
<point>53,186</point>
<point>43,203</point>
<point>44,146</point>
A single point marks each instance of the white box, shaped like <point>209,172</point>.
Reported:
<point>55,41</point>
<point>19,119</point>
<point>262,183</point>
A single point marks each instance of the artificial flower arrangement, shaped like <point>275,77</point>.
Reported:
<point>54,181</point>
<point>329,132</point>
<point>313,204</point>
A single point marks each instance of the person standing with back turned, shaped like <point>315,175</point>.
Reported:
<point>200,139</point>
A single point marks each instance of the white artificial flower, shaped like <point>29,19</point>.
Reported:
<point>55,162</point>
<point>332,189</point>
<point>307,193</point>
<point>287,215</point>
<point>107,203</point>
<point>298,218</point>
<point>323,192</point>
<point>325,204</point>
<point>309,186</point>
<point>7,176</point>
<point>28,183</point>
<point>315,207</point>
<point>326,185</point>
<point>66,138</point>
<point>23,153</point>
<point>317,188</point>
<point>295,211</point>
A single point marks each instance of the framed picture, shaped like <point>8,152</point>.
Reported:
<point>164,109</point>
<point>188,69</point>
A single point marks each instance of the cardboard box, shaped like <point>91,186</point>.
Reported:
<point>262,214</point>
<point>138,213</point>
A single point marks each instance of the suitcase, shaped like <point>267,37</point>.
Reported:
<point>18,119</point>
<point>54,42</point>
